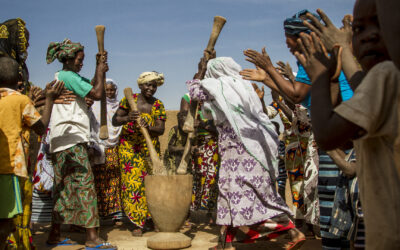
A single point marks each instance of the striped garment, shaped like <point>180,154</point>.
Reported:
<point>359,241</point>
<point>327,181</point>
<point>282,176</point>
<point>42,207</point>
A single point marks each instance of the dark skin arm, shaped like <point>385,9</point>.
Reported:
<point>202,66</point>
<point>348,168</point>
<point>39,98</point>
<point>99,77</point>
<point>285,70</point>
<point>331,36</point>
<point>121,117</point>
<point>330,130</point>
<point>260,93</point>
<point>260,75</point>
<point>286,108</point>
<point>53,90</point>
<point>296,91</point>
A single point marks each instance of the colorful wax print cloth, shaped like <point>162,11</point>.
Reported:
<point>17,114</point>
<point>249,166</point>
<point>62,51</point>
<point>311,167</point>
<point>14,42</point>
<point>75,198</point>
<point>134,162</point>
<point>21,238</point>
<point>108,183</point>
<point>43,175</point>
<point>205,167</point>
<point>265,230</point>
<point>296,157</point>
<point>247,193</point>
<point>10,195</point>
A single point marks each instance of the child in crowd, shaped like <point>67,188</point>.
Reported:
<point>370,118</point>
<point>18,115</point>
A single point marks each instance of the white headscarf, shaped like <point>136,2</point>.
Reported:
<point>112,106</point>
<point>236,101</point>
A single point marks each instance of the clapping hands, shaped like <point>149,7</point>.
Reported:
<point>329,34</point>
<point>261,60</point>
<point>314,57</point>
<point>285,70</point>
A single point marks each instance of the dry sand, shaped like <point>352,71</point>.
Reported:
<point>120,236</point>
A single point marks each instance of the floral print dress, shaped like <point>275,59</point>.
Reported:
<point>247,194</point>
<point>134,162</point>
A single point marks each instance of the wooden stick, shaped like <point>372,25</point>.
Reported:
<point>218,24</point>
<point>182,168</point>
<point>188,126</point>
<point>103,102</point>
<point>158,167</point>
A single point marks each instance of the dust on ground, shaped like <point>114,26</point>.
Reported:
<point>201,235</point>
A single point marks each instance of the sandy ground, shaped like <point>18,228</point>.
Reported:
<point>120,236</point>
<point>200,232</point>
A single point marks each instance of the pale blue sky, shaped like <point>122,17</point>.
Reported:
<point>163,35</point>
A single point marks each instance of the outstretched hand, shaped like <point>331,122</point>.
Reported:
<point>286,71</point>
<point>66,97</point>
<point>257,74</point>
<point>314,57</point>
<point>54,89</point>
<point>329,34</point>
<point>261,60</point>
<point>36,94</point>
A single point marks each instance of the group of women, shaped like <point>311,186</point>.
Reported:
<point>241,145</point>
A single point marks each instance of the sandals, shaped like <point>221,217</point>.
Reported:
<point>66,242</point>
<point>296,244</point>
<point>104,245</point>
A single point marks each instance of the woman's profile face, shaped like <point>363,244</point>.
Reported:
<point>291,42</point>
<point>76,64</point>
